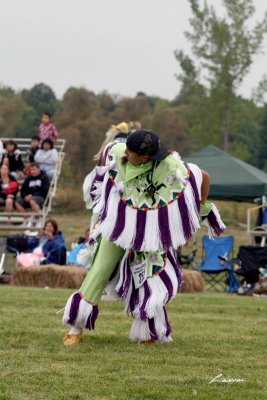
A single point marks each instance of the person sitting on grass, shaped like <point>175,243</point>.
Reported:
<point>12,158</point>
<point>47,130</point>
<point>48,247</point>
<point>33,192</point>
<point>47,158</point>
<point>82,253</point>
<point>8,189</point>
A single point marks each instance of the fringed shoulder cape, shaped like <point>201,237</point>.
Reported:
<point>149,207</point>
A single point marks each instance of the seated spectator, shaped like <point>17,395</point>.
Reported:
<point>33,191</point>
<point>46,129</point>
<point>48,247</point>
<point>8,189</point>
<point>35,145</point>
<point>81,254</point>
<point>47,158</point>
<point>12,158</point>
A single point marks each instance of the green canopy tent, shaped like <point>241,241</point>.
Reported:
<point>231,178</point>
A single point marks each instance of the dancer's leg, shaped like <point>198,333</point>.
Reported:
<point>107,257</point>
<point>82,307</point>
<point>147,304</point>
<point>156,329</point>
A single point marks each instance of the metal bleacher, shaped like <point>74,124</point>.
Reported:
<point>260,231</point>
<point>14,221</point>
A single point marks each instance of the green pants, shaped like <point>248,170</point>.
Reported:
<point>105,260</point>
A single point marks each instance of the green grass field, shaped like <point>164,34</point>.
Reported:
<point>213,334</point>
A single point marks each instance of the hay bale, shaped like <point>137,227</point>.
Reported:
<point>71,277</point>
<point>51,275</point>
<point>193,282</point>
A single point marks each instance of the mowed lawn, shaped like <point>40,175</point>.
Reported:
<point>213,334</point>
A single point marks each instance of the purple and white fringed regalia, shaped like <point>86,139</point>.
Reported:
<point>214,223</point>
<point>169,224</point>
<point>148,226</point>
<point>146,304</point>
<point>80,313</point>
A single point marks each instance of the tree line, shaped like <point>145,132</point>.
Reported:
<point>207,109</point>
<point>82,118</point>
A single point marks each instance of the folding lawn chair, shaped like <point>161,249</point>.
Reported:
<point>252,259</point>
<point>218,276</point>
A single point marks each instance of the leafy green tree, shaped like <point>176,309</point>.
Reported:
<point>6,91</point>
<point>224,48</point>
<point>77,104</point>
<point>245,127</point>
<point>106,103</point>
<point>133,108</point>
<point>83,121</point>
<point>41,98</point>
<point>262,148</point>
<point>14,115</point>
<point>170,126</point>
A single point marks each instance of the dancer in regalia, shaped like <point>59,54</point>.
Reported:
<point>148,204</point>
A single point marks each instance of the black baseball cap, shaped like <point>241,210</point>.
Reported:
<point>147,143</point>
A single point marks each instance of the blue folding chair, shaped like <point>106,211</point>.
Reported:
<point>218,276</point>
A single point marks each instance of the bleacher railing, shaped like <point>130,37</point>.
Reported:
<point>256,231</point>
<point>14,221</point>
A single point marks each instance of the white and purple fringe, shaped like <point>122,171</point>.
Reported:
<point>147,303</point>
<point>157,328</point>
<point>214,223</point>
<point>158,229</point>
<point>125,277</point>
<point>80,313</point>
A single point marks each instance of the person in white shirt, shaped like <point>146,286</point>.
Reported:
<point>47,158</point>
